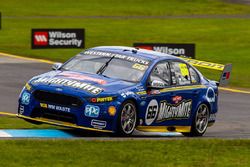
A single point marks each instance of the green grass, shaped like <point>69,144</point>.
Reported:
<point>222,40</point>
<point>119,7</point>
<point>7,122</point>
<point>167,153</point>
<point>75,152</point>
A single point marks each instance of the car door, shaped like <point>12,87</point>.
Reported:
<point>183,95</point>
<point>158,80</point>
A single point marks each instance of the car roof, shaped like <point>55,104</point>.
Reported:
<point>136,52</point>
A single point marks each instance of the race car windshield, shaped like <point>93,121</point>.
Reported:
<point>117,68</point>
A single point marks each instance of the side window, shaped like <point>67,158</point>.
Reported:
<point>161,74</point>
<point>180,73</point>
<point>194,76</point>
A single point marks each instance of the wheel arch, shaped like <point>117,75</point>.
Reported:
<point>194,131</point>
<point>204,101</point>
<point>208,105</point>
<point>197,106</point>
<point>116,126</point>
<point>136,105</point>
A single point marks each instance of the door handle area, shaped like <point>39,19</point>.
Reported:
<point>196,92</point>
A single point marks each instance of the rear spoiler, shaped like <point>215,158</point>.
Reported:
<point>226,69</point>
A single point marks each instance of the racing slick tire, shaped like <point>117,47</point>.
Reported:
<point>127,119</point>
<point>200,122</point>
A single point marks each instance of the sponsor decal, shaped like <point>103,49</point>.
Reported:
<point>182,88</point>
<point>25,99</point>
<point>210,95</point>
<point>98,124</point>
<point>151,112</point>
<point>118,56</point>
<point>176,99</point>
<point>205,64</point>
<point>43,105</point>
<point>140,88</point>
<point>92,111</point>
<point>126,94</point>
<point>155,92</point>
<point>226,75</point>
<point>139,67</point>
<point>69,83</point>
<point>112,110</point>
<point>212,117</point>
<point>141,93</point>
<point>180,110</point>
<point>102,99</point>
<point>184,69</point>
<point>184,50</point>
<point>57,38</point>
<point>55,107</point>
<point>73,75</point>
<point>21,109</point>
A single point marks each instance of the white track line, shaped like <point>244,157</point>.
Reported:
<point>4,134</point>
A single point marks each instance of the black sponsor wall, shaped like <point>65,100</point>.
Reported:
<point>57,38</point>
<point>185,50</point>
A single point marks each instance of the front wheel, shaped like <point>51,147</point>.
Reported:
<point>200,122</point>
<point>127,119</point>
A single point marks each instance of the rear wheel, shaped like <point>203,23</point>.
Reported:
<point>200,122</point>
<point>127,119</point>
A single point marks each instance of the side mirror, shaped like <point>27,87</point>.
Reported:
<point>157,84</point>
<point>56,66</point>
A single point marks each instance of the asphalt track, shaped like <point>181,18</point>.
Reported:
<point>232,119</point>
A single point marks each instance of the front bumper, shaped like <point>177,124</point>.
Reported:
<point>68,115</point>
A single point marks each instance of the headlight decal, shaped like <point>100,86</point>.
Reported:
<point>27,86</point>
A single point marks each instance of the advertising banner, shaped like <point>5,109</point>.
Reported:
<point>57,38</point>
<point>185,50</point>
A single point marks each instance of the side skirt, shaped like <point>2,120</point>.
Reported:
<point>59,123</point>
<point>164,128</point>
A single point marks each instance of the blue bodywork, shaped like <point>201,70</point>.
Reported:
<point>88,107</point>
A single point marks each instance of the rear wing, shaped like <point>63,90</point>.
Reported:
<point>226,69</point>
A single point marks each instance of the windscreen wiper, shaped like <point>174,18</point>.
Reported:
<point>104,66</point>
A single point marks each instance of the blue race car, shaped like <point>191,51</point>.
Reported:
<point>120,89</point>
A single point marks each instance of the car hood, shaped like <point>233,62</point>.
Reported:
<point>85,83</point>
